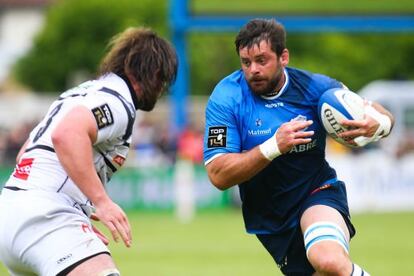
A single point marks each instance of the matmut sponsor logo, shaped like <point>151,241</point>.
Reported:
<point>259,132</point>
<point>22,170</point>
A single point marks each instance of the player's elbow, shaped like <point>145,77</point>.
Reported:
<point>218,180</point>
<point>221,178</point>
<point>222,186</point>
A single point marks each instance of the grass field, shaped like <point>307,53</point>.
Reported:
<point>215,244</point>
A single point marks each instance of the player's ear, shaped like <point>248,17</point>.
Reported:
<point>284,57</point>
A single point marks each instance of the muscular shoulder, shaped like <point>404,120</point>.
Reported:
<point>113,112</point>
<point>106,108</point>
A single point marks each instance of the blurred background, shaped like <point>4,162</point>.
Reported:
<point>179,219</point>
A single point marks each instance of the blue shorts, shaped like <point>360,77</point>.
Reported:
<point>288,249</point>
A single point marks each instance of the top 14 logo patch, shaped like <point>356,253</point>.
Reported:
<point>103,116</point>
<point>217,137</point>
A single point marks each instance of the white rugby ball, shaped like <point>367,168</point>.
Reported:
<point>336,105</point>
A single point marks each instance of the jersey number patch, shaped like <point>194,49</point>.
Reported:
<point>217,137</point>
<point>103,116</point>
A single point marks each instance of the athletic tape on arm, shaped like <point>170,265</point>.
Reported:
<point>269,148</point>
<point>383,130</point>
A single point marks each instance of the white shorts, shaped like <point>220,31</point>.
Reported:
<point>43,233</point>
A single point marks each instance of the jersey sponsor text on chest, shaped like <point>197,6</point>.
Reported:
<point>258,132</point>
<point>304,147</point>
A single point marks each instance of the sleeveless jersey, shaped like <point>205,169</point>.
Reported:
<point>109,100</point>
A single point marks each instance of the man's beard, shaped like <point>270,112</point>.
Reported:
<point>147,100</point>
<point>269,88</point>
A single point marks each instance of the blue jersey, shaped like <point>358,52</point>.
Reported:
<point>237,120</point>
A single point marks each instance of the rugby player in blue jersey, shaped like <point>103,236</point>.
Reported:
<point>263,134</point>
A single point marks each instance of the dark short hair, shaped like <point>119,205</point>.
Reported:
<point>257,30</point>
<point>143,54</point>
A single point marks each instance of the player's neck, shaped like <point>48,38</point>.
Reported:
<point>278,87</point>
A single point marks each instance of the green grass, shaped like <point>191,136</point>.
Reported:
<point>303,6</point>
<point>215,244</point>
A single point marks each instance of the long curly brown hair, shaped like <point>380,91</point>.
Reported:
<point>150,59</point>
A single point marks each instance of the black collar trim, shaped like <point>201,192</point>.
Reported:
<point>132,91</point>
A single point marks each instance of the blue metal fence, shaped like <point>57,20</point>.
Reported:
<point>182,22</point>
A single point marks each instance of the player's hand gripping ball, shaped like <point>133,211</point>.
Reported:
<point>336,105</point>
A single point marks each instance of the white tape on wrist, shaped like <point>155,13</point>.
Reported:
<point>362,140</point>
<point>383,130</point>
<point>383,120</point>
<point>269,148</point>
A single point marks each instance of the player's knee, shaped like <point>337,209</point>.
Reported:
<point>324,256</point>
<point>330,264</point>
<point>110,272</point>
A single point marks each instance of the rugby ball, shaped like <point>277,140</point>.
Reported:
<point>336,105</point>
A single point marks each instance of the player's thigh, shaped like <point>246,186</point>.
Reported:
<point>323,213</point>
<point>72,243</point>
<point>99,265</point>
<point>57,239</point>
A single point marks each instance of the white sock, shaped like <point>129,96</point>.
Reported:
<point>358,271</point>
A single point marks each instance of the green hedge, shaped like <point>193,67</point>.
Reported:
<point>75,35</point>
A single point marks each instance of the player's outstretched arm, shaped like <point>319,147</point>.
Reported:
<point>231,169</point>
<point>72,140</point>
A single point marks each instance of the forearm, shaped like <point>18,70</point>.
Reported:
<point>234,168</point>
